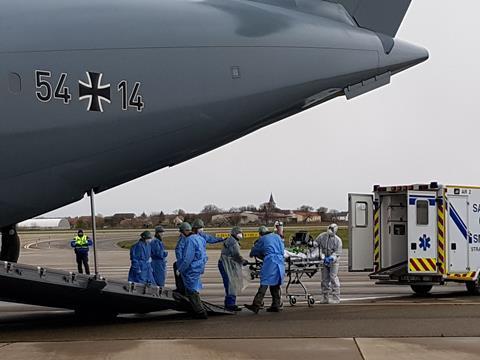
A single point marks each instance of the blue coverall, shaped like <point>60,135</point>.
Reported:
<point>159,261</point>
<point>141,268</point>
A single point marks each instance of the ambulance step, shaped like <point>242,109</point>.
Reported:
<point>391,273</point>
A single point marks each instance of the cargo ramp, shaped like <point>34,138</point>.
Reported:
<point>88,294</point>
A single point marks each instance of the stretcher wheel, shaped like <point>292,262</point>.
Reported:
<point>311,301</point>
<point>292,300</point>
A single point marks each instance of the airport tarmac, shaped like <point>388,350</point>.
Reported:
<point>371,322</point>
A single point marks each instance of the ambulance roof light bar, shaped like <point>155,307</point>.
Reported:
<point>418,187</point>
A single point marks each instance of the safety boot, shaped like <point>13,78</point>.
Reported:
<point>253,308</point>
<point>235,308</point>
<point>274,309</point>
<point>324,300</point>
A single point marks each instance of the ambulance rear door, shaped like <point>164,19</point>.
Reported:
<point>422,232</point>
<point>360,226</point>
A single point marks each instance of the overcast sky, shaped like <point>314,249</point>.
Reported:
<point>422,127</point>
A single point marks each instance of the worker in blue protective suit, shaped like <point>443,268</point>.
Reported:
<point>81,243</point>
<point>159,257</point>
<point>230,267</point>
<point>184,228</point>
<point>140,257</point>
<point>270,248</point>
<point>198,227</point>
<point>191,260</point>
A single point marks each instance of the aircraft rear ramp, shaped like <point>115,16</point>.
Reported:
<point>87,294</point>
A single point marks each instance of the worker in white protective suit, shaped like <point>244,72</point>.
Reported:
<point>330,246</point>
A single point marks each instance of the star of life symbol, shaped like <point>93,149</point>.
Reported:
<point>94,91</point>
<point>425,242</point>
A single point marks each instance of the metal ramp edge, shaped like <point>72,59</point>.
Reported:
<point>62,289</point>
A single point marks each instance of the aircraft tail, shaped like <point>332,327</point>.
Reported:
<point>381,16</point>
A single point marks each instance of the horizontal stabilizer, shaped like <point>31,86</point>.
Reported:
<point>381,16</point>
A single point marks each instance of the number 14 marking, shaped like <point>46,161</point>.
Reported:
<point>134,100</point>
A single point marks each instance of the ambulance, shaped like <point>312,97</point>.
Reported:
<point>418,235</point>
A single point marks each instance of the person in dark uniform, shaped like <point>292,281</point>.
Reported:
<point>81,243</point>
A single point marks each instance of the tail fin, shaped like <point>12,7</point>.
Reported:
<point>381,16</point>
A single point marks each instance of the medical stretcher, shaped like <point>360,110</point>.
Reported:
<point>296,270</point>
<point>300,264</point>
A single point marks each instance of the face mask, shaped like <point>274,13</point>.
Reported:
<point>239,236</point>
<point>200,230</point>
<point>149,241</point>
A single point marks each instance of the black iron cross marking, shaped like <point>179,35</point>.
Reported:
<point>94,91</point>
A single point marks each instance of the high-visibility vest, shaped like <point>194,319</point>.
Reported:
<point>81,241</point>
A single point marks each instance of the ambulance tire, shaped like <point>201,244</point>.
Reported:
<point>421,290</point>
<point>473,287</point>
<point>10,244</point>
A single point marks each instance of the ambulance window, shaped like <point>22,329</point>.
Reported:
<point>361,214</point>
<point>422,212</point>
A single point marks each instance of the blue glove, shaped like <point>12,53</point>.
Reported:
<point>328,260</point>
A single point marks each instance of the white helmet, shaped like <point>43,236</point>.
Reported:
<point>332,229</point>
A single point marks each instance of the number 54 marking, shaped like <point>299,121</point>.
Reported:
<point>44,87</point>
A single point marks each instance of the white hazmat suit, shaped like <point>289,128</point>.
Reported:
<point>330,246</point>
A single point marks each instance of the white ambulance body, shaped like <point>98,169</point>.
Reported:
<point>417,235</point>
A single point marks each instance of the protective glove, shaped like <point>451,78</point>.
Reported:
<point>177,273</point>
<point>328,261</point>
<point>245,262</point>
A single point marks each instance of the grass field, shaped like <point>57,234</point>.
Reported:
<point>170,241</point>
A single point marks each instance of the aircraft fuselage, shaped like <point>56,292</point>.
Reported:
<point>98,93</point>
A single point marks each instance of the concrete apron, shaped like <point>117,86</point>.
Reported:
<point>278,349</point>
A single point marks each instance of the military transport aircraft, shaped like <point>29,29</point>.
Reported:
<point>95,93</point>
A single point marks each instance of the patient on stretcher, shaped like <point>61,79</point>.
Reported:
<point>309,254</point>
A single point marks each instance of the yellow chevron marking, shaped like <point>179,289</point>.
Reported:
<point>422,265</point>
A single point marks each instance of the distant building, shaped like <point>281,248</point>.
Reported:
<point>342,216</point>
<point>243,218</point>
<point>177,220</point>
<point>116,219</point>
<point>45,224</point>
<point>306,217</point>
<point>271,203</point>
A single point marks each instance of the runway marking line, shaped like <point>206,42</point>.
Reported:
<point>411,304</point>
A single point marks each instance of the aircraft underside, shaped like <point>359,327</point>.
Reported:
<point>98,97</point>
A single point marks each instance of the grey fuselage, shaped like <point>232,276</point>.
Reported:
<point>208,72</point>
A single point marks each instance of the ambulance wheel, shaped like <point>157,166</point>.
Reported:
<point>473,287</point>
<point>292,300</point>
<point>421,290</point>
<point>311,301</point>
<point>10,244</point>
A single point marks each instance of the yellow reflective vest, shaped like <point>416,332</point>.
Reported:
<point>81,241</point>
